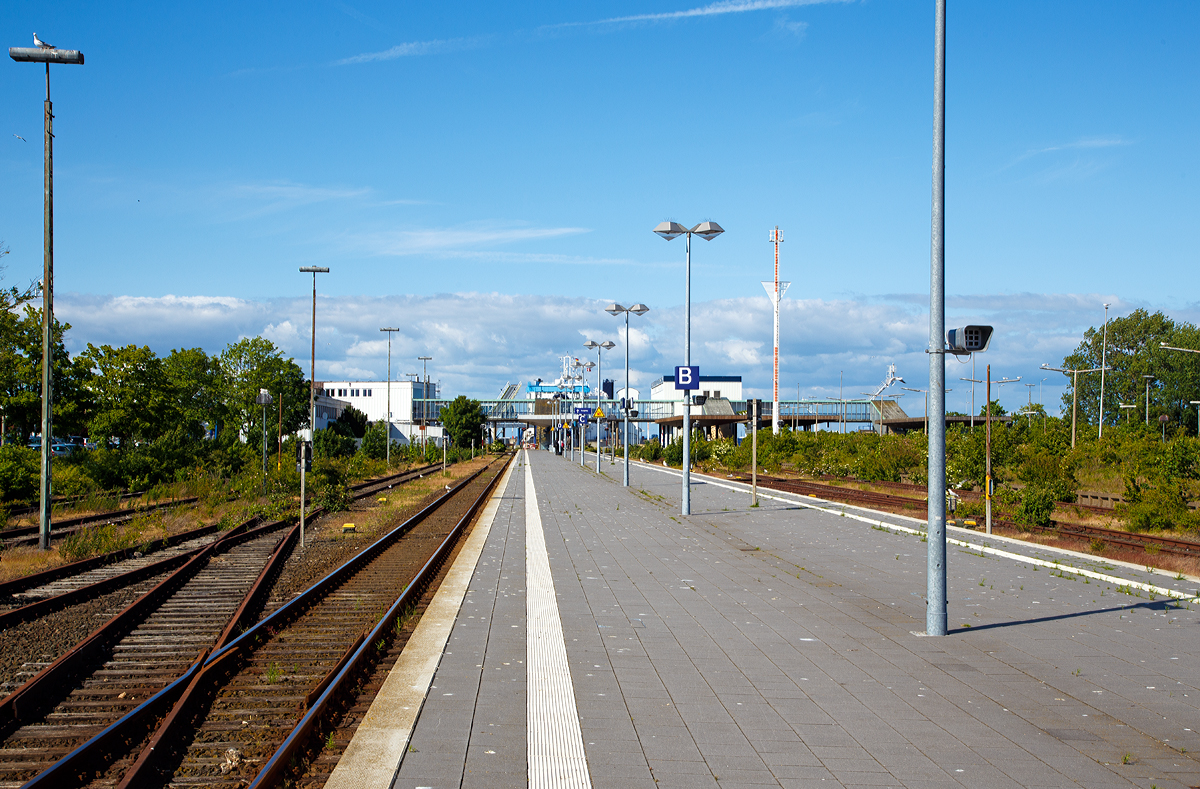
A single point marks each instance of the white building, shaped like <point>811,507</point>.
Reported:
<point>371,397</point>
<point>714,386</point>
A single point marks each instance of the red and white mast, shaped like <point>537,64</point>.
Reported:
<point>775,290</point>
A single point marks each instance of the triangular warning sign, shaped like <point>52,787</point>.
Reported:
<point>599,413</point>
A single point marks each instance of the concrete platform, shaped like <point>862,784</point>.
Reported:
<point>774,647</point>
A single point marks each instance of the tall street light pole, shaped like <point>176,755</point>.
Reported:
<point>388,432</point>
<point>424,395</point>
<point>636,309</point>
<point>1074,391</point>
<point>1103,367</point>
<point>312,391</point>
<point>1148,378</point>
<point>45,53</point>
<point>936,616</point>
<point>708,231</point>
<point>599,347</point>
<point>264,399</point>
<point>775,291</point>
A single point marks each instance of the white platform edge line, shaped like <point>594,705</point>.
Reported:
<point>375,753</point>
<point>984,549</point>
<point>555,738</point>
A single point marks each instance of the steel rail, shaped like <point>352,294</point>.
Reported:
<point>1170,545</point>
<point>225,661</point>
<point>276,767</point>
<point>114,740</point>
<point>65,526</point>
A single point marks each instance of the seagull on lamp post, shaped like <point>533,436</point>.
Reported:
<point>37,42</point>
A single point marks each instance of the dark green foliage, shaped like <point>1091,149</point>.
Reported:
<point>331,443</point>
<point>464,420</point>
<point>19,473</point>
<point>352,423</point>
<point>1037,505</point>
<point>330,484</point>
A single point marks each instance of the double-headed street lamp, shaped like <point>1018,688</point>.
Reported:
<point>312,392</point>
<point>388,432</point>
<point>46,53</point>
<point>636,309</point>
<point>708,231</point>
<point>1074,391</point>
<point>598,347</point>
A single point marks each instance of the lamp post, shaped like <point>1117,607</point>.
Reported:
<point>1127,405</point>
<point>1148,378</point>
<point>1103,367</point>
<point>1074,391</point>
<point>599,348</point>
<point>1197,403</point>
<point>636,309</point>
<point>926,393</point>
<point>46,53</point>
<point>708,231</point>
<point>424,395</point>
<point>312,389</point>
<point>264,399</point>
<point>388,430</point>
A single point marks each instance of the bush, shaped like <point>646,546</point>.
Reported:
<point>330,443</point>
<point>71,480</point>
<point>1037,505</point>
<point>330,484</point>
<point>20,471</point>
<point>1158,507</point>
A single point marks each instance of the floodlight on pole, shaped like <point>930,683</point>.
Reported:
<point>775,290</point>
<point>614,310</point>
<point>388,431</point>
<point>707,231</point>
<point>599,347</point>
<point>312,389</point>
<point>45,53</point>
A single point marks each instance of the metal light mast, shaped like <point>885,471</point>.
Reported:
<point>775,291</point>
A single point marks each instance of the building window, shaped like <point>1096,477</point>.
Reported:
<point>705,393</point>
<point>368,393</point>
<point>717,394</point>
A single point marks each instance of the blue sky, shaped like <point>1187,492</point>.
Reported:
<point>522,153</point>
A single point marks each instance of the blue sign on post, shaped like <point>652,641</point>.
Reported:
<point>687,378</point>
<point>583,410</point>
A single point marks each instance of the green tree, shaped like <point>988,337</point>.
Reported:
<point>464,420</point>
<point>255,363</point>
<point>352,422</point>
<point>195,390</point>
<point>374,443</point>
<point>21,375</point>
<point>129,390</point>
<point>1134,350</point>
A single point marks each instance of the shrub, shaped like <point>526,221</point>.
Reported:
<point>1037,505</point>
<point>330,443</point>
<point>71,480</point>
<point>19,473</point>
<point>374,443</point>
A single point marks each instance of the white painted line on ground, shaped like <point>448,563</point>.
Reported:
<point>372,759</point>
<point>556,757</point>
<point>984,549</point>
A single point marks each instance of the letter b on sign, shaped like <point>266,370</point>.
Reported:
<point>687,377</point>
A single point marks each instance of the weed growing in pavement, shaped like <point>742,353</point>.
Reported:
<point>1127,759</point>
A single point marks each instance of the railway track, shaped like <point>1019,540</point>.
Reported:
<point>36,610</point>
<point>66,501</point>
<point>905,505</point>
<point>133,655</point>
<point>28,535</point>
<point>255,707</point>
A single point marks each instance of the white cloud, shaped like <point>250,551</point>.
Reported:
<point>712,9</point>
<point>480,341</point>
<point>413,49</point>
<point>460,241</point>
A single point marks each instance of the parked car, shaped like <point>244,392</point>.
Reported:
<point>62,450</point>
